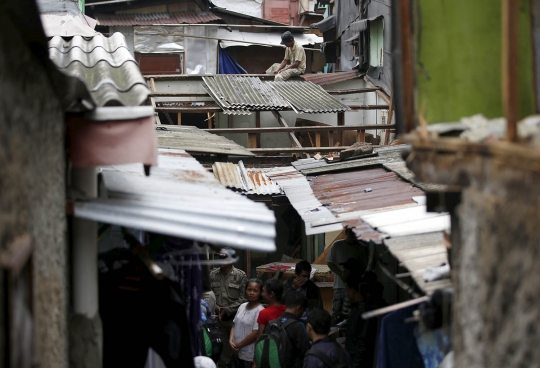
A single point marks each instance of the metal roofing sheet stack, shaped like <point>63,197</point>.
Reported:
<point>237,95</point>
<point>248,181</point>
<point>149,19</point>
<point>192,139</point>
<point>307,97</point>
<point>418,252</point>
<point>299,193</point>
<point>330,78</point>
<point>181,198</point>
<point>104,65</point>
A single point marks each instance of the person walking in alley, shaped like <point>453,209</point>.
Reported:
<point>229,286</point>
<point>340,253</point>
<point>294,62</point>
<point>324,351</point>
<point>301,284</point>
<point>245,328</point>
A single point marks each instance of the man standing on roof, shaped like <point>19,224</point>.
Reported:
<point>294,62</point>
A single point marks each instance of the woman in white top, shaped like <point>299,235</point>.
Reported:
<point>245,328</point>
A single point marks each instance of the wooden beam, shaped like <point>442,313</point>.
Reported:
<point>283,123</point>
<point>510,65</point>
<point>179,118</point>
<point>389,121</point>
<point>341,122</point>
<point>168,118</point>
<point>179,94</point>
<point>317,139</point>
<point>210,125</point>
<point>298,150</point>
<point>352,91</point>
<point>330,138</point>
<point>287,129</point>
<point>378,91</point>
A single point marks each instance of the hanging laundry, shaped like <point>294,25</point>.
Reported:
<point>397,343</point>
<point>139,312</point>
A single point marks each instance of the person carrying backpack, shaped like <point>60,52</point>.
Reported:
<point>324,352</point>
<point>284,341</point>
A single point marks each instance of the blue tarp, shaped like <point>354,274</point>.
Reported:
<point>227,65</point>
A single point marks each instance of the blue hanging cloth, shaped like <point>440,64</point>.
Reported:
<point>227,65</point>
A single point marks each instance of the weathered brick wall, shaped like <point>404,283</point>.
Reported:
<point>32,193</point>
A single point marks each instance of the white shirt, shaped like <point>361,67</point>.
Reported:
<point>245,322</point>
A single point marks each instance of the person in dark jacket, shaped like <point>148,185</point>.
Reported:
<point>318,326</point>
<point>295,307</point>
<point>365,294</point>
<point>301,285</point>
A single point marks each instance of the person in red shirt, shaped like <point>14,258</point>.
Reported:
<point>272,292</point>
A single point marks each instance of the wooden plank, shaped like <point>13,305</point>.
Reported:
<point>352,91</point>
<point>179,94</point>
<point>359,135</point>
<point>258,125</point>
<point>389,121</point>
<point>362,136</point>
<point>317,139</point>
<point>315,128</point>
<point>297,150</point>
<point>252,140</point>
<point>152,85</point>
<point>179,118</point>
<point>510,65</point>
<point>378,91</point>
<point>283,123</point>
<point>210,125</point>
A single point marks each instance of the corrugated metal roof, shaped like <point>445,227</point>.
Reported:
<point>330,78</point>
<point>181,198</point>
<point>148,19</point>
<point>418,252</point>
<point>306,97</point>
<point>248,181</point>
<point>362,190</point>
<point>192,139</point>
<point>104,65</point>
<point>299,193</point>
<point>239,94</point>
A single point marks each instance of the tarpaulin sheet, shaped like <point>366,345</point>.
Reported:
<point>227,65</point>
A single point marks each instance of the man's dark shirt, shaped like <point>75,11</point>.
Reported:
<point>328,347</point>
<point>298,338</point>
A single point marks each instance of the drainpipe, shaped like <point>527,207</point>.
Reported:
<point>85,324</point>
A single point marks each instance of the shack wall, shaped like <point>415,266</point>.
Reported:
<point>32,198</point>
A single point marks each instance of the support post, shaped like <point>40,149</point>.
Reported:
<point>317,139</point>
<point>85,279</point>
<point>340,122</point>
<point>330,138</point>
<point>252,140</point>
<point>510,74</point>
<point>209,120</point>
<point>179,118</point>
<point>258,125</point>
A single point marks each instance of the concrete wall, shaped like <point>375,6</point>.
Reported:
<point>32,196</point>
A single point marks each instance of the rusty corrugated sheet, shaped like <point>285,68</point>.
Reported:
<point>248,181</point>
<point>363,190</point>
<point>149,19</point>
<point>330,78</point>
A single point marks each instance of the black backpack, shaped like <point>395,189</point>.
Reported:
<point>338,362</point>
<point>273,346</point>
<point>212,345</point>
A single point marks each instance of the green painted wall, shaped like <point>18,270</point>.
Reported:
<point>458,59</point>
